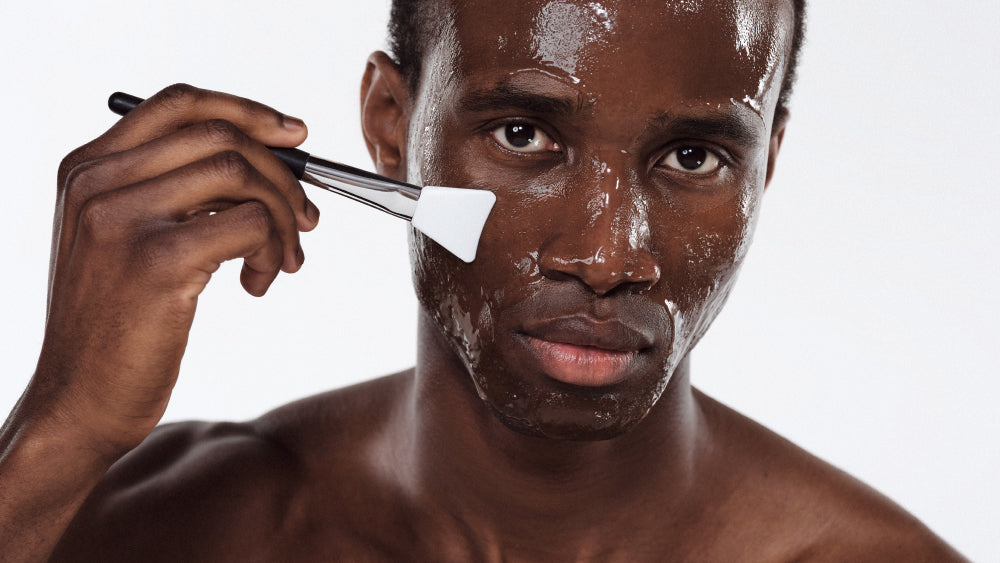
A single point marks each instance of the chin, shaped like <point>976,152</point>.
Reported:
<point>559,411</point>
<point>480,315</point>
<point>560,430</point>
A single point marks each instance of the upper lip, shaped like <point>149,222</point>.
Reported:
<point>583,330</point>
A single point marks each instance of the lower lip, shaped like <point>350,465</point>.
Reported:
<point>581,365</point>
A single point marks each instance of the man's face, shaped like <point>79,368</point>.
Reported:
<point>627,144</point>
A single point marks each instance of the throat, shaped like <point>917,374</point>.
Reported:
<point>492,485</point>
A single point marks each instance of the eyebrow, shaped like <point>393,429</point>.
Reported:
<point>509,97</point>
<point>721,126</point>
<point>505,96</point>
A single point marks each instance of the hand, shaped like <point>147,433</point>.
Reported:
<point>145,214</point>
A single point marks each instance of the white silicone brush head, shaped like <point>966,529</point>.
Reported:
<point>453,217</point>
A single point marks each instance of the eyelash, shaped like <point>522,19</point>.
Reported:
<point>492,127</point>
<point>722,159</point>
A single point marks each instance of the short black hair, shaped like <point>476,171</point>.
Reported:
<point>412,27</point>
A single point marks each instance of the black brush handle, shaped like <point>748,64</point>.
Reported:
<point>122,103</point>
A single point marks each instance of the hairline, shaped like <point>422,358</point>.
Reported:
<point>409,40</point>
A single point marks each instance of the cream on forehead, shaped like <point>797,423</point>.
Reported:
<point>562,30</point>
<point>754,25</point>
<point>689,6</point>
<point>571,40</point>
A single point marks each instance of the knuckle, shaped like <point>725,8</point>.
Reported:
<point>178,96</point>
<point>223,133</point>
<point>231,165</point>
<point>71,161</point>
<point>257,217</point>
<point>83,173</point>
<point>98,218</point>
<point>83,181</point>
<point>257,222</point>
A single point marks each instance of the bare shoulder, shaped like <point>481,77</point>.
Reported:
<point>223,491</point>
<point>819,512</point>
<point>191,481</point>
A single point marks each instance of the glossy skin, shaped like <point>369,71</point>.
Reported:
<point>550,415</point>
<point>599,236</point>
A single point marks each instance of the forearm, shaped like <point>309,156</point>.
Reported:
<point>145,214</point>
<point>45,476</point>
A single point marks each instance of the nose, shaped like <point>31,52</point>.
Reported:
<point>603,240</point>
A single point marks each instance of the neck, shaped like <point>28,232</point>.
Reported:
<point>496,483</point>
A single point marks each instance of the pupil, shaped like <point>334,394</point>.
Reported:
<point>692,159</point>
<point>520,136</point>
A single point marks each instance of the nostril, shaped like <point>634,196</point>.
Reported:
<point>601,271</point>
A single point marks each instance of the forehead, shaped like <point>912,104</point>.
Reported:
<point>636,52</point>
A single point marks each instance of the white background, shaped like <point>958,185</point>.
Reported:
<point>865,324</point>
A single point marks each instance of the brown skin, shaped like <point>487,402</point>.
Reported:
<point>483,451</point>
<point>145,214</point>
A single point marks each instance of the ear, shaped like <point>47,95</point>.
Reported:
<point>385,115</point>
<point>777,134</point>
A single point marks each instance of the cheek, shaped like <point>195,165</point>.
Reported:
<point>467,300</point>
<point>709,252</point>
<point>447,290</point>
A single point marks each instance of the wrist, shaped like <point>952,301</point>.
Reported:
<point>45,427</point>
<point>85,419</point>
<point>46,447</point>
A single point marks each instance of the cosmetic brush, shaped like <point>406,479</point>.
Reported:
<point>452,217</point>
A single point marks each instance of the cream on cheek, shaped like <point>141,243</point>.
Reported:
<point>713,252</point>
<point>701,249</point>
<point>463,313</point>
<point>761,44</point>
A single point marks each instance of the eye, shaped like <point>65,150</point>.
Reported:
<point>523,137</point>
<point>693,160</point>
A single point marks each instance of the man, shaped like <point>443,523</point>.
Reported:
<point>550,414</point>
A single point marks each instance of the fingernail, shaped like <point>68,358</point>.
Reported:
<point>312,212</point>
<point>293,124</point>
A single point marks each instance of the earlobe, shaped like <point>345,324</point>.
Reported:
<point>777,135</point>
<point>385,109</point>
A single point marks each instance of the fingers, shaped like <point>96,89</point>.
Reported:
<point>240,231</point>
<point>219,182</point>
<point>190,144</point>
<point>145,214</point>
<point>196,191</point>
<point>179,157</point>
<point>180,105</point>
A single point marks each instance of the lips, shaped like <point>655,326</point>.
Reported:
<point>580,350</point>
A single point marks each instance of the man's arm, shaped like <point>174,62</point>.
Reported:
<point>144,215</point>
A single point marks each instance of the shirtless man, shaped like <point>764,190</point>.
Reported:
<point>550,415</point>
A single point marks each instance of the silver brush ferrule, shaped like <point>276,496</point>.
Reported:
<point>393,197</point>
